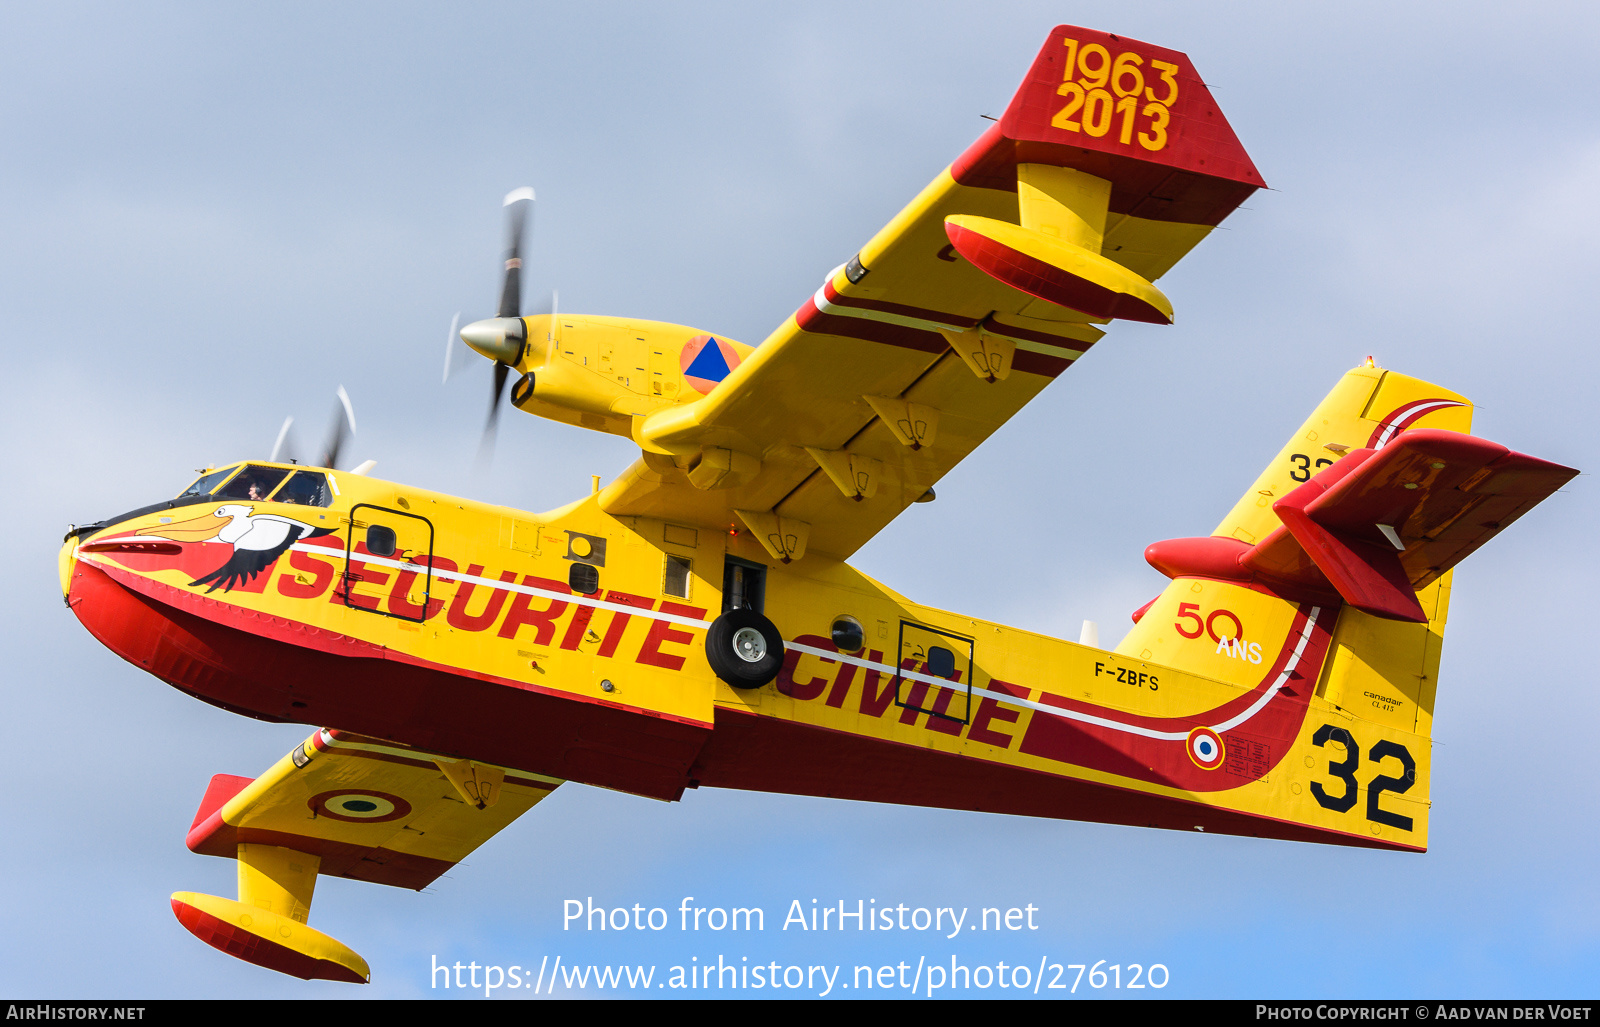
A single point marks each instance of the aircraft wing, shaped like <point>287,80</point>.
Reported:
<point>1111,162</point>
<point>346,805</point>
<point>371,810</point>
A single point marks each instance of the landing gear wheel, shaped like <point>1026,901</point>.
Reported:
<point>744,648</point>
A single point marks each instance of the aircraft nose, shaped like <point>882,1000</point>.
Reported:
<point>66,561</point>
<point>498,338</point>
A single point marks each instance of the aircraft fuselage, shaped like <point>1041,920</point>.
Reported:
<point>572,644</point>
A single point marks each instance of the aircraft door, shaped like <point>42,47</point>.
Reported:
<point>744,585</point>
<point>935,675</point>
<point>388,563</point>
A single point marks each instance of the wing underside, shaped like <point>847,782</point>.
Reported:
<point>347,806</point>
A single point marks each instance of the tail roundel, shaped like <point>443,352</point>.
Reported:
<point>1357,523</point>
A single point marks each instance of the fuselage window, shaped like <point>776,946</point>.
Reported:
<point>677,582</point>
<point>848,634</point>
<point>306,488</point>
<point>253,483</point>
<point>204,484</point>
<point>584,579</point>
<point>380,540</point>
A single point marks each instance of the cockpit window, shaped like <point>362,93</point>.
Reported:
<point>254,482</point>
<point>306,488</point>
<point>207,482</point>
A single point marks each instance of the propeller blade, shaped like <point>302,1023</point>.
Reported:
<point>450,348</point>
<point>492,425</point>
<point>349,412</point>
<point>283,437</point>
<point>517,203</point>
<point>502,340</point>
<point>342,427</point>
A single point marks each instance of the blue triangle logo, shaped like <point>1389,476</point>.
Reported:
<point>709,363</point>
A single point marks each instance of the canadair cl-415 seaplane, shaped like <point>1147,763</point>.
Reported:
<point>695,623</point>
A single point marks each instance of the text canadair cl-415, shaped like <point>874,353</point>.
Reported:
<point>695,623</point>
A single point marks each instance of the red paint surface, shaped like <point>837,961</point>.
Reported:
<point>810,319</point>
<point>1444,494</point>
<point>955,321</point>
<point>1288,574</point>
<point>998,323</point>
<point>222,788</point>
<point>1199,177</point>
<point>277,670</point>
<point>1053,284</point>
<point>1368,575</point>
<point>1166,761</point>
<point>1403,417</point>
<point>251,948</point>
<point>764,754</point>
<point>515,725</point>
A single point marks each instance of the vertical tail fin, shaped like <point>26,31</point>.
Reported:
<point>1217,595</point>
<point>1352,529</point>
<point>1366,409</point>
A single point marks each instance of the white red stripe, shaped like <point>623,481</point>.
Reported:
<point>1404,417</point>
<point>690,622</point>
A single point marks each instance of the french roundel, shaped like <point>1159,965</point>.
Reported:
<point>705,361</point>
<point>1205,748</point>
<point>359,806</point>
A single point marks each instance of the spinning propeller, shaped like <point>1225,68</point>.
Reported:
<point>343,426</point>
<point>503,337</point>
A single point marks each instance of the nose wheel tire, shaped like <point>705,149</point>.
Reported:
<point>744,649</point>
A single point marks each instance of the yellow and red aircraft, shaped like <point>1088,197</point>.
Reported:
<point>695,622</point>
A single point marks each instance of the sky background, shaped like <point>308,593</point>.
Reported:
<point>211,216</point>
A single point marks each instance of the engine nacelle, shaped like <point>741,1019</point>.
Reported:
<point>602,372</point>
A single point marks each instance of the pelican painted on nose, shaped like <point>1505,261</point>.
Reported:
<point>257,540</point>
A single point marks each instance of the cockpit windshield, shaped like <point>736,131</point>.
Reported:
<point>254,482</point>
<point>206,482</point>
<point>257,482</point>
<point>306,488</point>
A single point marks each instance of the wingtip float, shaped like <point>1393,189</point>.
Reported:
<point>694,622</point>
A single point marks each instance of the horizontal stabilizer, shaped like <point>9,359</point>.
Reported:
<point>1379,524</point>
<point>1367,576</point>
